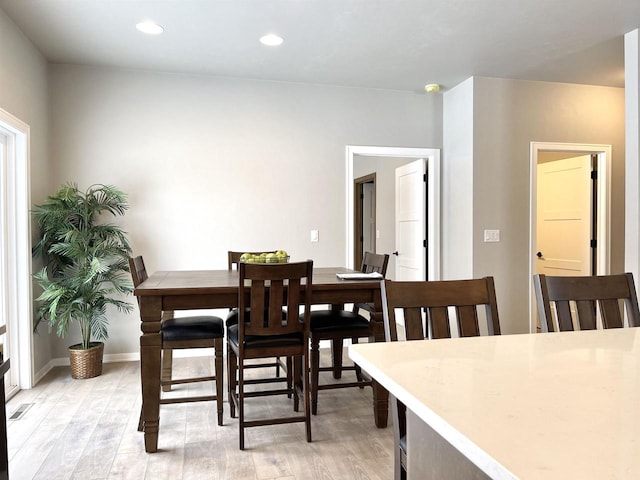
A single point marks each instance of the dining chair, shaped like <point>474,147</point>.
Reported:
<point>279,364</point>
<point>198,331</point>
<point>583,297</point>
<point>337,324</point>
<point>426,308</point>
<point>275,327</point>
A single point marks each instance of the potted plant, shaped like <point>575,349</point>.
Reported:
<point>85,268</point>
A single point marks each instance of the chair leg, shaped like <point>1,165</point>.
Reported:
<point>297,381</point>
<point>167,361</point>
<point>336,360</point>
<point>289,376</point>
<point>358,369</point>
<point>241,403</point>
<point>219,374</point>
<point>231,379</point>
<point>141,420</point>
<point>315,374</point>
<point>305,391</point>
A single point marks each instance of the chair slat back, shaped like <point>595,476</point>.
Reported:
<point>375,262</point>
<point>269,288</point>
<point>234,257</point>
<point>436,298</point>
<point>603,293</point>
<point>138,270</point>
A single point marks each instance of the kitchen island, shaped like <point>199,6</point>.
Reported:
<point>552,406</point>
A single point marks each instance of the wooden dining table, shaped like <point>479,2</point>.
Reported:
<point>210,289</point>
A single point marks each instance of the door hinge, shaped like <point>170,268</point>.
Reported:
<point>594,243</point>
<point>594,174</point>
<point>424,243</point>
<point>424,178</point>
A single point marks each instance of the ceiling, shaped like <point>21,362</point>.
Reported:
<point>389,44</point>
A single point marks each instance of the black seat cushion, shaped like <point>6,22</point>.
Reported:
<point>337,320</point>
<point>232,316</point>
<point>261,341</point>
<point>192,328</point>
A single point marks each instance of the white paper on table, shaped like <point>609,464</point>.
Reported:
<point>359,276</point>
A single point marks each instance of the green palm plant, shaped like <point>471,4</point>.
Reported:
<point>85,263</point>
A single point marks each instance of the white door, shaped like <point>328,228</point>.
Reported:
<point>411,221</point>
<point>564,226</point>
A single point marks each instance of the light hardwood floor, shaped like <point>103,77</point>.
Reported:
<point>86,429</point>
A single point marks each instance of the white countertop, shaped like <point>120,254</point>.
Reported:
<point>541,406</point>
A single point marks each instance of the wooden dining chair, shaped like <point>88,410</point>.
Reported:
<point>279,364</point>
<point>425,308</point>
<point>582,298</point>
<point>337,324</point>
<point>199,331</point>
<point>275,293</point>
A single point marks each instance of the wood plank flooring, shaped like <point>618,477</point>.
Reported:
<point>86,429</point>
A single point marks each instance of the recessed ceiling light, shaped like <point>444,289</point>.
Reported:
<point>150,28</point>
<point>432,88</point>
<point>272,40</point>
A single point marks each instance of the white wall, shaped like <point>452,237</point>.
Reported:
<point>212,164</point>
<point>632,164</point>
<point>457,182</point>
<point>507,116</point>
<point>23,93</point>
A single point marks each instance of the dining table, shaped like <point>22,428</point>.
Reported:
<point>527,406</point>
<point>169,291</point>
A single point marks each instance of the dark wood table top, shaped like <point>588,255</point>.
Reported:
<point>180,282</point>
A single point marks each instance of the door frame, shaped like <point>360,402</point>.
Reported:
<point>358,192</point>
<point>17,215</point>
<point>603,214</point>
<point>432,157</point>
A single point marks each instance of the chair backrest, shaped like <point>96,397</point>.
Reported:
<point>436,297</point>
<point>234,257</point>
<point>585,295</point>
<point>375,262</point>
<point>138,270</point>
<point>272,286</point>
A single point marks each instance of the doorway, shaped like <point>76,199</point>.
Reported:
<point>365,231</point>
<point>390,154</point>
<point>570,212</point>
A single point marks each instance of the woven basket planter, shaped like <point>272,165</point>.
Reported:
<point>86,363</point>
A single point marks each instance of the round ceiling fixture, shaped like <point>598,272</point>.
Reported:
<point>432,88</point>
<point>271,40</point>
<point>150,28</point>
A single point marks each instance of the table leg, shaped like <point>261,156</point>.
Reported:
<point>150,352</point>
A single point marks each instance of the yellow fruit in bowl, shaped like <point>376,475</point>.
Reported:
<point>271,258</point>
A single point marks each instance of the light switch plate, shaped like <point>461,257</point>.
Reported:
<point>491,236</point>
<point>315,236</point>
